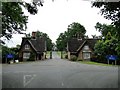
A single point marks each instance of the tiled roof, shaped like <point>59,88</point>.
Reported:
<point>37,44</point>
<point>92,42</point>
<point>74,44</point>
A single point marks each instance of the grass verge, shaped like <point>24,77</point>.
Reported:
<point>96,63</point>
<point>48,54</point>
<point>63,54</point>
<point>59,53</point>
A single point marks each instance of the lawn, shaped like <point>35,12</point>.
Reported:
<point>48,54</point>
<point>59,53</point>
<point>96,63</point>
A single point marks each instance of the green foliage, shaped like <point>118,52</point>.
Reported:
<point>49,44</point>
<point>106,47</point>
<point>48,40</point>
<point>66,56</point>
<point>99,48</point>
<point>104,29</point>
<point>109,44</point>
<point>61,42</point>
<point>6,50</point>
<point>73,58</point>
<point>75,30</point>
<point>32,57</point>
<point>95,63</point>
<point>15,51</point>
<point>111,10</point>
<point>13,17</point>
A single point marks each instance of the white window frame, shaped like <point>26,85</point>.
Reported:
<point>26,55</point>
<point>27,46</point>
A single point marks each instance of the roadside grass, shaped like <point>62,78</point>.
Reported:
<point>95,63</point>
<point>48,54</point>
<point>59,54</point>
<point>64,54</point>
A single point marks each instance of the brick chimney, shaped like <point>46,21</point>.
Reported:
<point>34,35</point>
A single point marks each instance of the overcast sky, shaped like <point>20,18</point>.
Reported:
<point>54,18</point>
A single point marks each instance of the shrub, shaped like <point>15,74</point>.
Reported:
<point>32,57</point>
<point>102,59</point>
<point>73,58</point>
<point>94,58</point>
<point>66,56</point>
<point>78,59</point>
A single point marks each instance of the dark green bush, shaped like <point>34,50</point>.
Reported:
<point>94,58</point>
<point>73,58</point>
<point>66,56</point>
<point>32,57</point>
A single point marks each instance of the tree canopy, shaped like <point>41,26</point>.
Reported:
<point>111,11</point>
<point>48,40</point>
<point>74,30</point>
<point>104,29</point>
<point>13,18</point>
<point>109,44</point>
<point>6,50</point>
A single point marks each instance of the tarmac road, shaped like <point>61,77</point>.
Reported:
<point>58,73</point>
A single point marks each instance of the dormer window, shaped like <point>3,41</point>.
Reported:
<point>27,47</point>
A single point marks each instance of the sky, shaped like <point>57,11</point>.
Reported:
<point>54,17</point>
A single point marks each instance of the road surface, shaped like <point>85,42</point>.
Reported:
<point>58,73</point>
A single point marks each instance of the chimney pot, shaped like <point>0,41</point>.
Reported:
<point>34,35</point>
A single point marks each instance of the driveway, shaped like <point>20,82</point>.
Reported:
<point>58,73</point>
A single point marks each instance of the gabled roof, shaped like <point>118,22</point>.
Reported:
<point>75,45</point>
<point>92,42</point>
<point>37,44</point>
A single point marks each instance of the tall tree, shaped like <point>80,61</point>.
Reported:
<point>48,40</point>
<point>13,18</point>
<point>104,29</point>
<point>109,44</point>
<point>111,10</point>
<point>74,30</point>
<point>61,42</point>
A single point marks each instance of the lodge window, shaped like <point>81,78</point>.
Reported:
<point>26,55</point>
<point>27,47</point>
<point>86,47</point>
<point>86,55</point>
